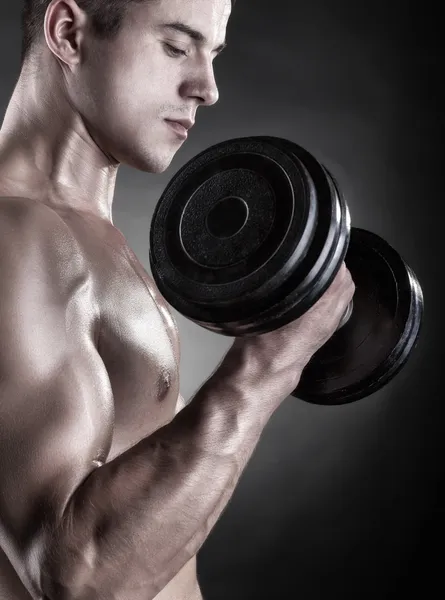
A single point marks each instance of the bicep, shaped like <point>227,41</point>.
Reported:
<point>50,434</point>
<point>49,438</point>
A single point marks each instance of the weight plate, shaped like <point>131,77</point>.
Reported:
<point>231,226</point>
<point>375,343</point>
<point>316,271</point>
<point>324,256</point>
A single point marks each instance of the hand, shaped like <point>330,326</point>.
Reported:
<point>281,355</point>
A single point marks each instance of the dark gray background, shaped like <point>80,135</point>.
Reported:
<point>338,502</point>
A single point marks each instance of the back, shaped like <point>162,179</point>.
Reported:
<point>56,405</point>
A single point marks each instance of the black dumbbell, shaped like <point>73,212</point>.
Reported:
<point>250,233</point>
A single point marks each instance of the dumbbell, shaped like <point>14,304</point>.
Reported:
<point>251,232</point>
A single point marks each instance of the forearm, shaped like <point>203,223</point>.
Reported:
<point>138,519</point>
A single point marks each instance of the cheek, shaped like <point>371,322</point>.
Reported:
<point>125,96</point>
<point>137,91</point>
<point>116,97</point>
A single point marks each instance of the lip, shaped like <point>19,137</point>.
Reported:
<point>180,126</point>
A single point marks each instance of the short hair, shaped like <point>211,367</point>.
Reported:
<point>106,17</point>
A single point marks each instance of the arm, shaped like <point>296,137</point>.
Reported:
<point>137,520</point>
<point>75,531</point>
<point>51,378</point>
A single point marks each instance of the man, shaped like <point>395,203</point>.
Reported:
<point>106,492</point>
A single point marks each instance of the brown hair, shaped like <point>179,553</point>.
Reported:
<point>106,17</point>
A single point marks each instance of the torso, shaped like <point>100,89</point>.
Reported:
<point>139,345</point>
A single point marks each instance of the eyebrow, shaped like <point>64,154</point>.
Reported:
<point>194,34</point>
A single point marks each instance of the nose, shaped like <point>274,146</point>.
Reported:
<point>201,85</point>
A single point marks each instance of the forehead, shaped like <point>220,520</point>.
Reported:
<point>207,16</point>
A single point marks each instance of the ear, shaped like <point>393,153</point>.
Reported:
<point>65,29</point>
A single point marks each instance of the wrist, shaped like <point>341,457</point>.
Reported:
<point>263,381</point>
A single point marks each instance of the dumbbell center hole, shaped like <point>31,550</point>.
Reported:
<point>227,217</point>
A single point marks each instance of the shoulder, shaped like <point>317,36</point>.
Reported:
<point>31,231</point>
<point>26,211</point>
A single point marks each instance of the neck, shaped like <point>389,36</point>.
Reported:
<point>47,152</point>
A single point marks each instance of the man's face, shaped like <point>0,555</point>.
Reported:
<point>128,90</point>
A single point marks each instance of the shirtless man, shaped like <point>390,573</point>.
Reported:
<point>108,488</point>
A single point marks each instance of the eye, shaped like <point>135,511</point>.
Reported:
<point>173,51</point>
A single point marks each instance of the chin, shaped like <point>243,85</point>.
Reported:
<point>151,161</point>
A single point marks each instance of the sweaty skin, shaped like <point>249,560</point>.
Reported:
<point>125,321</point>
<point>80,109</point>
<point>108,488</point>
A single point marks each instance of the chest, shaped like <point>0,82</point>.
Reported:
<point>138,343</point>
<point>137,339</point>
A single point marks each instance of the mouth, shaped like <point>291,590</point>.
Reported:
<point>180,127</point>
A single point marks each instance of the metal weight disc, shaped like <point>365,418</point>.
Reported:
<point>231,226</point>
<point>327,249</point>
<point>375,343</point>
<point>313,274</point>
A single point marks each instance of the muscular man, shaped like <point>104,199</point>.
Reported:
<point>108,489</point>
